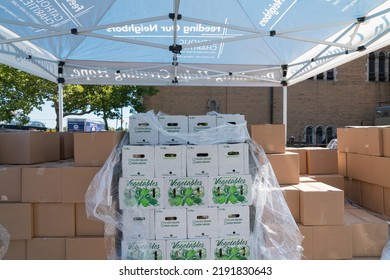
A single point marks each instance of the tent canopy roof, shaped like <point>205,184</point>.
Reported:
<point>188,42</point>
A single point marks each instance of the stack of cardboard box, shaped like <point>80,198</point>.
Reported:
<point>364,161</point>
<point>316,202</point>
<point>183,201</point>
<point>43,180</point>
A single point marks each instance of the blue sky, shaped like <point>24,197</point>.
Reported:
<point>48,117</point>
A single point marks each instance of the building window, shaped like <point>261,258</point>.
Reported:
<point>319,134</point>
<point>329,75</point>
<point>308,134</point>
<point>378,67</point>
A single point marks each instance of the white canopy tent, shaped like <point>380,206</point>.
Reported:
<point>266,43</point>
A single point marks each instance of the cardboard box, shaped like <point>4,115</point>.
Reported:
<point>202,160</point>
<point>41,184</point>
<point>171,223</point>
<point>373,197</point>
<point>188,249</point>
<point>66,145</point>
<point>143,250</point>
<point>369,233</point>
<point>138,224</point>
<point>85,226</point>
<point>271,137</point>
<point>347,140</point>
<point>285,167</point>
<point>186,192</point>
<point>232,248</point>
<point>321,161</point>
<point>92,149</point>
<point>143,130</point>
<point>54,219</point>
<point>10,183</point>
<point>320,204</point>
<point>201,123</point>
<point>233,221</point>
<point>291,195</point>
<point>17,250</point>
<point>174,130</point>
<point>138,161</point>
<point>332,242</point>
<point>46,249</point>
<point>170,161</point>
<point>386,141</point>
<point>232,127</point>
<point>230,190</point>
<point>75,182</point>
<point>353,190</point>
<point>233,159</point>
<point>369,141</point>
<point>342,164</point>
<point>302,158</point>
<point>202,222</point>
<point>17,218</point>
<point>380,171</point>
<point>137,192</point>
<point>86,248</point>
<point>360,167</point>
<point>386,195</point>
<point>334,180</point>
<point>307,242</point>
<point>29,147</point>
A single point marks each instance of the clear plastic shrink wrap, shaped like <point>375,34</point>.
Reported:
<point>274,233</point>
<point>4,241</point>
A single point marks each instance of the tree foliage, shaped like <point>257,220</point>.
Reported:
<point>20,91</point>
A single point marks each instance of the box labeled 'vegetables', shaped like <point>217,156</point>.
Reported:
<point>202,160</point>
<point>137,161</point>
<point>174,130</point>
<point>142,130</point>
<point>232,248</point>
<point>138,224</point>
<point>188,249</point>
<point>143,250</point>
<point>170,161</point>
<point>139,192</point>
<point>185,192</point>
<point>230,190</point>
<point>233,159</point>
<point>201,123</point>
<point>233,221</point>
<point>202,222</point>
<point>171,223</point>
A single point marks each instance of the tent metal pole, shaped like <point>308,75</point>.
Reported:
<point>285,109</point>
<point>60,107</point>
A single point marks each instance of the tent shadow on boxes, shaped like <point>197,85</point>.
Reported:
<point>132,233</point>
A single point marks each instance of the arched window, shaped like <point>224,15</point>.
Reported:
<point>382,63</point>
<point>308,133</point>
<point>330,133</point>
<point>371,66</point>
<point>319,134</point>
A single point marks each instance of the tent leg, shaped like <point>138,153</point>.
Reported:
<point>285,109</point>
<point>60,107</point>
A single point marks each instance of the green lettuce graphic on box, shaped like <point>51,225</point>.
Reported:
<point>135,192</point>
<point>143,250</point>
<point>188,249</point>
<point>186,191</point>
<point>233,190</point>
<point>231,249</point>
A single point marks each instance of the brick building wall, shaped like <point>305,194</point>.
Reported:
<point>350,99</point>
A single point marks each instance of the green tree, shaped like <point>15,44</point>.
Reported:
<point>22,92</point>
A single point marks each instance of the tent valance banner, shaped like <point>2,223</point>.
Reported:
<point>190,42</point>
